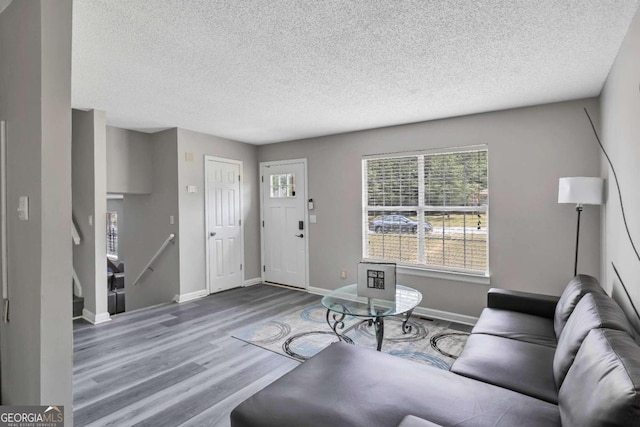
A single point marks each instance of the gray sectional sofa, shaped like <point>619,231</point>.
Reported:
<point>531,360</point>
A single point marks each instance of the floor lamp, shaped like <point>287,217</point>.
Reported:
<point>581,191</point>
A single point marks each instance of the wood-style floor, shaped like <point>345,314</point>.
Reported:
<point>177,364</point>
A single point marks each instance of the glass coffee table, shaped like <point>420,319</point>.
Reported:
<point>345,301</point>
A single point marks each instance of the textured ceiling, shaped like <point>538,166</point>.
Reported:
<point>268,71</point>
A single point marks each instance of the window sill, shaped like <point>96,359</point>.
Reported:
<point>446,275</point>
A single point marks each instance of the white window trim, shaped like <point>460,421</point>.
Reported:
<point>413,269</point>
<point>451,150</point>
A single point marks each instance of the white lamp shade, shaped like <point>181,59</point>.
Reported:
<point>580,190</point>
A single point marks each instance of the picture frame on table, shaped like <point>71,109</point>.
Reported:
<point>377,280</point>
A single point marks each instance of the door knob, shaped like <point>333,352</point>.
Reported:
<point>300,235</point>
<point>213,233</point>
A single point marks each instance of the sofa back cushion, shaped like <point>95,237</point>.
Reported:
<point>602,387</point>
<point>593,311</point>
<point>573,293</point>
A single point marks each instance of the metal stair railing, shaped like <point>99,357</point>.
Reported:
<point>152,260</point>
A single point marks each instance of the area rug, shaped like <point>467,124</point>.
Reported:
<point>304,333</point>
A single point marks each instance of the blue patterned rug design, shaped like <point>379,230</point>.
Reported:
<point>304,333</point>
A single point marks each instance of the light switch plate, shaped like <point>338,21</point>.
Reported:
<point>312,219</point>
<point>192,189</point>
<point>23,208</point>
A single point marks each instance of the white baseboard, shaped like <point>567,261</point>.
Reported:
<point>251,282</point>
<point>420,311</point>
<point>190,296</point>
<point>95,319</point>
<point>318,291</point>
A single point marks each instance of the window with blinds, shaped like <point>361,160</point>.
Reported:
<point>112,234</point>
<point>428,210</point>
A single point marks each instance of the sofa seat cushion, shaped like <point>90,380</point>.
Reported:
<point>517,326</point>
<point>602,387</point>
<point>593,311</point>
<point>516,365</point>
<point>581,285</point>
<point>350,386</point>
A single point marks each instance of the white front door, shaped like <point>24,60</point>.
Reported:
<point>285,229</point>
<point>223,223</point>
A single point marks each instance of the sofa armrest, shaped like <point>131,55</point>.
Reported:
<point>412,421</point>
<point>523,302</point>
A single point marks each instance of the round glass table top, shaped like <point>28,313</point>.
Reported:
<point>346,300</point>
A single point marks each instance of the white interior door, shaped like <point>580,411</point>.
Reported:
<point>224,224</point>
<point>284,229</point>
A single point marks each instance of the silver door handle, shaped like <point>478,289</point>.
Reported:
<point>213,233</point>
<point>300,235</point>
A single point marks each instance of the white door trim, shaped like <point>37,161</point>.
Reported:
<point>206,216</point>
<point>306,213</point>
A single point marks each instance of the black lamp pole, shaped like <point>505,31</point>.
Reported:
<point>575,265</point>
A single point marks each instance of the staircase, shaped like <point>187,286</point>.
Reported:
<point>78,305</point>
<point>76,287</point>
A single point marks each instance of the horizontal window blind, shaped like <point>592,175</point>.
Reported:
<point>428,210</point>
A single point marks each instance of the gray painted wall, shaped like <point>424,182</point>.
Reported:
<point>192,206</point>
<point>147,226</point>
<point>35,100</point>
<point>532,237</point>
<point>620,108</point>
<point>129,158</point>
<point>89,200</point>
